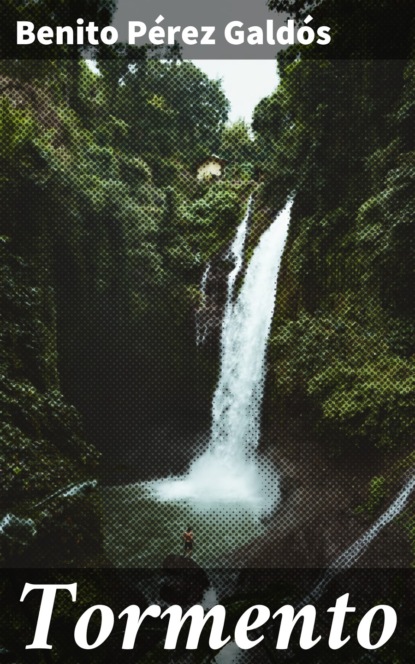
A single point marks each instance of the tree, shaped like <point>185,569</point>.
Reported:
<point>338,135</point>
<point>237,144</point>
<point>182,111</point>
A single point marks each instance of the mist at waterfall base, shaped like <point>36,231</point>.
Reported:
<point>230,473</point>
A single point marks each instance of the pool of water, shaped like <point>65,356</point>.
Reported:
<point>140,530</point>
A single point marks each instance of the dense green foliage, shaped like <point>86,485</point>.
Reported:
<point>41,441</point>
<point>172,110</point>
<point>105,233</point>
<point>238,147</point>
<point>337,135</point>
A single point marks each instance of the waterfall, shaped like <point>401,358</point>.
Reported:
<point>229,470</point>
<point>201,324</point>
<point>246,326</point>
<point>351,555</point>
<point>236,255</point>
<point>204,282</point>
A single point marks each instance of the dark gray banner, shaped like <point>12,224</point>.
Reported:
<point>232,24</point>
<point>219,29</point>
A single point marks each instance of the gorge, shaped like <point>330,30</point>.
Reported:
<point>284,435</point>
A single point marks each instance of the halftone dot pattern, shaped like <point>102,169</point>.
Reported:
<point>106,274</point>
<point>116,285</point>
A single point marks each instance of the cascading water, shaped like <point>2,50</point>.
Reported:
<point>204,281</point>
<point>236,255</point>
<point>232,654</point>
<point>201,326</point>
<point>246,326</point>
<point>354,552</point>
<point>229,471</point>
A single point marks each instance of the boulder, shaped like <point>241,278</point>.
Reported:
<point>184,581</point>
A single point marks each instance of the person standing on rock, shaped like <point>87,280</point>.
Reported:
<point>188,542</point>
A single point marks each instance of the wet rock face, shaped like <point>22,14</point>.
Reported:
<point>317,543</point>
<point>184,581</point>
<point>62,533</point>
<point>322,512</point>
<point>209,312</point>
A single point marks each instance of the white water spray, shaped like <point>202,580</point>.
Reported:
<point>229,471</point>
